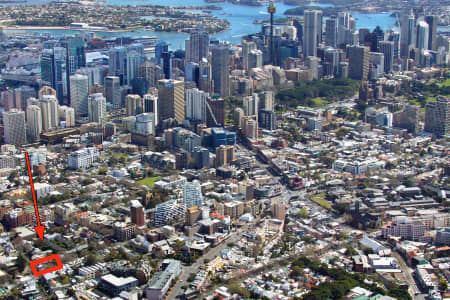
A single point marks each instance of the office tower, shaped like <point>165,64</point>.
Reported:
<point>75,58</point>
<point>358,62</point>
<point>408,118</point>
<point>271,9</point>
<point>196,105</point>
<point>220,69</point>
<point>437,117</point>
<point>387,48</point>
<point>52,62</point>
<point>67,114</point>
<point>251,105</point>
<point>216,112</point>
<point>134,60</point>
<point>118,63</point>
<point>247,46</point>
<point>238,115</point>
<point>407,34</point>
<point>160,48</point>
<point>312,32</point>
<point>191,72</point>
<point>205,76</point>
<point>224,155</point>
<point>145,124</point>
<point>192,194</point>
<point>137,213</point>
<point>331,57</point>
<point>343,27</point>
<point>255,59</point>
<point>197,47</point>
<point>432,22</point>
<point>171,100</point>
<point>34,122</point>
<point>50,113</point>
<point>331,32</point>
<point>14,127</point>
<point>151,73</point>
<point>395,38</point>
<point>376,68</point>
<point>97,108</point>
<point>422,35</point>
<point>112,91</point>
<point>201,157</point>
<point>313,63</point>
<point>151,106</point>
<point>134,105</point>
<point>167,60</point>
<point>79,92</point>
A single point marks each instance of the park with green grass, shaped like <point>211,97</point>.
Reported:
<point>149,181</point>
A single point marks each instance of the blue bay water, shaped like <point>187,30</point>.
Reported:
<point>240,17</point>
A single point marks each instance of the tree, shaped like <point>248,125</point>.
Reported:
<point>443,284</point>
<point>91,260</point>
<point>303,213</point>
<point>21,263</point>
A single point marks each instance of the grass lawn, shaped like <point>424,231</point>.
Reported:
<point>149,181</point>
<point>320,199</point>
<point>319,101</point>
<point>445,83</point>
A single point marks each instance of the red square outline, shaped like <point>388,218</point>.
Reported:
<point>36,262</point>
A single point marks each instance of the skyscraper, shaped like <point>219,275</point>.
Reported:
<point>79,92</point>
<point>50,113</point>
<point>34,122</point>
<point>67,114</point>
<point>15,132</point>
<point>205,76</point>
<point>331,32</point>
<point>134,60</point>
<point>167,59</point>
<point>271,10</point>
<point>196,105</point>
<point>358,62</point>
<point>112,91</point>
<point>216,112</point>
<point>21,95</point>
<point>387,48</point>
<point>407,34</point>
<point>197,47</point>
<point>151,106</point>
<point>220,73</point>
<point>192,194</point>
<point>432,22</point>
<point>437,117</point>
<point>160,48</point>
<point>134,105</point>
<point>255,59</point>
<point>171,100</point>
<point>251,105</point>
<point>312,32</point>
<point>97,108</point>
<point>118,63</point>
<point>422,35</point>
<point>52,61</point>
<point>247,46</point>
<point>75,58</point>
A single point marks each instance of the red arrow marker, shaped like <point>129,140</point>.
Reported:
<point>39,228</point>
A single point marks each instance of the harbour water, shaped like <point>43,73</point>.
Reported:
<point>240,17</point>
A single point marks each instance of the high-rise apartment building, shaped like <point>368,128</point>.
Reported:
<point>50,113</point>
<point>192,194</point>
<point>437,117</point>
<point>79,92</point>
<point>137,213</point>
<point>134,105</point>
<point>251,104</point>
<point>67,114</point>
<point>196,102</point>
<point>97,108</point>
<point>34,122</point>
<point>220,74</point>
<point>14,122</point>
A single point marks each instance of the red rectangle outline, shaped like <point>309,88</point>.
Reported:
<point>55,257</point>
